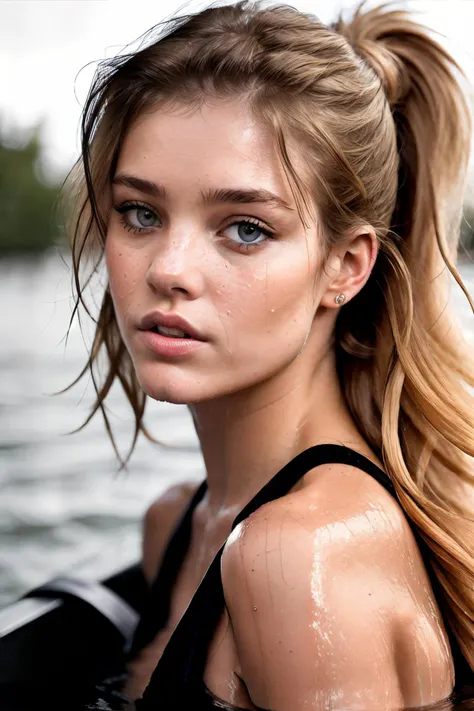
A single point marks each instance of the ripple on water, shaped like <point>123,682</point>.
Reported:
<point>63,507</point>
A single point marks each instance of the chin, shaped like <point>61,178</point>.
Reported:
<point>181,388</point>
<point>165,393</point>
<point>173,388</point>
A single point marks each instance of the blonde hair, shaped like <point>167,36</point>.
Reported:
<point>376,103</point>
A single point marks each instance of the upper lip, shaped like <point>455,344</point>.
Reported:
<point>157,318</point>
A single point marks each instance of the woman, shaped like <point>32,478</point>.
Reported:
<point>278,205</point>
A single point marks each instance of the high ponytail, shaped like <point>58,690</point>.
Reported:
<point>377,107</point>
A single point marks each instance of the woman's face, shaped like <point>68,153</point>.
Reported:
<point>240,270</point>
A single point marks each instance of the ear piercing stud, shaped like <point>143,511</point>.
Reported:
<point>340,298</point>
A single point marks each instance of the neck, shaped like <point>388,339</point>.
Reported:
<point>248,436</point>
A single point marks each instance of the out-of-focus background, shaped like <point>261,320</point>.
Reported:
<point>63,509</point>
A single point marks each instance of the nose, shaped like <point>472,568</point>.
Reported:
<point>176,268</point>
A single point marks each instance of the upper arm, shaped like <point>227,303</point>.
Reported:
<point>160,518</point>
<point>313,607</point>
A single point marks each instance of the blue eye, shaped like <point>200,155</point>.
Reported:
<point>144,217</point>
<point>249,232</point>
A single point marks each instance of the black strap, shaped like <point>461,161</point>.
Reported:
<point>114,608</point>
<point>310,458</point>
<point>184,658</point>
<point>23,612</point>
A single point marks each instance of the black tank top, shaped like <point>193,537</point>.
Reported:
<point>177,681</point>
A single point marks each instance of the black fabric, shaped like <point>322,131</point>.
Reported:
<point>107,603</point>
<point>177,681</point>
<point>157,606</point>
<point>54,650</point>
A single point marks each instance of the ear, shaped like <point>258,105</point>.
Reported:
<point>349,265</point>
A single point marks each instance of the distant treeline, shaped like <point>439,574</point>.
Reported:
<point>28,212</point>
<point>29,216</point>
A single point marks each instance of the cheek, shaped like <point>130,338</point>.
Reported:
<point>276,298</point>
<point>291,289</point>
<point>123,272</point>
<point>291,294</point>
<point>113,262</point>
<point>122,268</point>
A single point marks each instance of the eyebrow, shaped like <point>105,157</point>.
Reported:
<point>209,197</point>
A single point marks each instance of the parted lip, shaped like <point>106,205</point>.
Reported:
<point>157,318</point>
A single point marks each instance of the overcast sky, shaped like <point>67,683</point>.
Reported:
<point>48,49</point>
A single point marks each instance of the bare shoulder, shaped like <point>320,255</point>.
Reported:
<point>340,524</point>
<point>342,510</point>
<point>160,518</point>
<point>321,582</point>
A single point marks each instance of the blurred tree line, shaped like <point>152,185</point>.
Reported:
<point>29,218</point>
<point>28,211</point>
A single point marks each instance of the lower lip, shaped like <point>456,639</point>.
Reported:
<point>168,346</point>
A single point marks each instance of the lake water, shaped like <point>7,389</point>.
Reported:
<point>63,509</point>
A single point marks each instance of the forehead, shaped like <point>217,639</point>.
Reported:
<point>220,144</point>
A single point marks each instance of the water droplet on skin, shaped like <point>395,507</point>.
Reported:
<point>272,310</point>
<point>254,608</point>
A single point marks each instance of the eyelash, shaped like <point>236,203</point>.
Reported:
<point>125,207</point>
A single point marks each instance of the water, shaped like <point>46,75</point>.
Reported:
<point>62,508</point>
